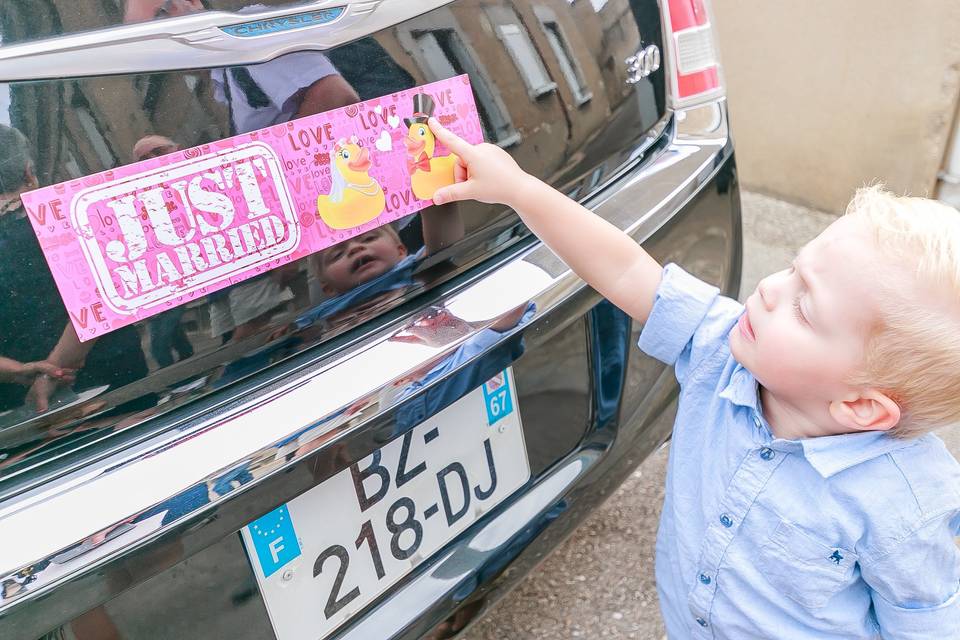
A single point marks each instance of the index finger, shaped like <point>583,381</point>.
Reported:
<point>449,139</point>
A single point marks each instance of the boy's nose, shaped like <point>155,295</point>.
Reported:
<point>767,294</point>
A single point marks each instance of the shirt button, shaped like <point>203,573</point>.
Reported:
<point>767,453</point>
<point>701,622</point>
<point>726,521</point>
<point>756,421</point>
<point>704,578</point>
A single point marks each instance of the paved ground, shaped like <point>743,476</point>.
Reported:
<point>599,584</point>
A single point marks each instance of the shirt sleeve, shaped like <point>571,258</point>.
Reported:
<point>282,78</point>
<point>915,587</point>
<point>688,323</point>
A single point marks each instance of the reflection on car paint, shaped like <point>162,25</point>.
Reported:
<point>199,107</point>
<point>445,380</point>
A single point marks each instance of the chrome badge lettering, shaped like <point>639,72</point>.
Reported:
<point>284,23</point>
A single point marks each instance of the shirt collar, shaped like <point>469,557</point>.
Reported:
<point>832,454</point>
<point>742,389</point>
<point>828,455</point>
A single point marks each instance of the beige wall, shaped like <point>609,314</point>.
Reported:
<point>826,96</point>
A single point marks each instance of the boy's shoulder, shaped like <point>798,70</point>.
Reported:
<point>900,491</point>
<point>689,324</point>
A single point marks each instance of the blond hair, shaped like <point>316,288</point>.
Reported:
<point>913,351</point>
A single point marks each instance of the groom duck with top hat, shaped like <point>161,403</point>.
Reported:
<point>427,173</point>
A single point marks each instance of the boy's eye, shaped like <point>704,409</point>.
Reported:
<point>798,310</point>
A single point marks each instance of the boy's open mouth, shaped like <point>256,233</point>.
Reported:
<point>361,262</point>
<point>746,328</point>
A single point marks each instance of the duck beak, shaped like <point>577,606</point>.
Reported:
<point>414,147</point>
<point>361,162</point>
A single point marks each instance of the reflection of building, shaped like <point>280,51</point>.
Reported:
<point>555,73</point>
<point>548,78</point>
<point>90,124</point>
<point>545,75</point>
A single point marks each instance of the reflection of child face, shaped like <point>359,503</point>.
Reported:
<point>360,259</point>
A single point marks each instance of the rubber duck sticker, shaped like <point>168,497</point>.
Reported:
<point>427,173</point>
<point>355,197</point>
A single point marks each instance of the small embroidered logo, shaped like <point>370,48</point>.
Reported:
<point>836,557</point>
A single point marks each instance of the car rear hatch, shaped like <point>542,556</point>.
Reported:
<point>93,86</point>
<point>550,86</point>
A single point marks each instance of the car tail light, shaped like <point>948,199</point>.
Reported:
<point>693,62</point>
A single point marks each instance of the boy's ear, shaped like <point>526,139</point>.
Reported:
<point>869,410</point>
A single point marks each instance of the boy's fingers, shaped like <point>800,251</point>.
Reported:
<point>449,139</point>
<point>460,173</point>
<point>452,193</point>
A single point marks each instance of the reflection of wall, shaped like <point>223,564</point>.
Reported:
<point>825,96</point>
<point>91,124</point>
<point>558,120</point>
<point>554,73</point>
<point>614,34</point>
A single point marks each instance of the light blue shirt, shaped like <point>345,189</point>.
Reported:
<point>847,536</point>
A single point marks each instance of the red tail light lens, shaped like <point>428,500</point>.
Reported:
<point>694,63</point>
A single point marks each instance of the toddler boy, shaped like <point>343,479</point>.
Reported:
<point>806,496</point>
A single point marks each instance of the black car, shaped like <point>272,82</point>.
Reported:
<point>295,455</point>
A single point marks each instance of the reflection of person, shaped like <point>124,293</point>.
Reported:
<point>805,491</point>
<point>349,264</point>
<point>446,380</point>
<point>25,372</point>
<point>296,85</point>
<point>292,86</point>
<point>166,331</point>
<point>360,273</point>
<point>367,270</point>
<point>34,326</point>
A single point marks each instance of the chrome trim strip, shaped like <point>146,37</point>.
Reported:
<point>202,40</point>
<point>81,522</point>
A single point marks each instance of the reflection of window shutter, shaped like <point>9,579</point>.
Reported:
<point>526,58</point>
<point>445,55</point>
<point>434,57</point>
<point>568,67</point>
<point>491,109</point>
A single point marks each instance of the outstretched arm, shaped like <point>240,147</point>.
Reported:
<point>605,257</point>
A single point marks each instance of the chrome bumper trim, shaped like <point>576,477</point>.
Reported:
<point>80,523</point>
<point>206,39</point>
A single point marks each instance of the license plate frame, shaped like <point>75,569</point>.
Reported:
<point>326,555</point>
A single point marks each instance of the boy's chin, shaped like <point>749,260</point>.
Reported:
<point>740,350</point>
<point>735,342</point>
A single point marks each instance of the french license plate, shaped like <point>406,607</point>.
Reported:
<point>322,557</point>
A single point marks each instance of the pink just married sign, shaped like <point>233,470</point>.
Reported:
<point>134,241</point>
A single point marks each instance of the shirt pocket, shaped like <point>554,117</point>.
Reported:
<point>804,569</point>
